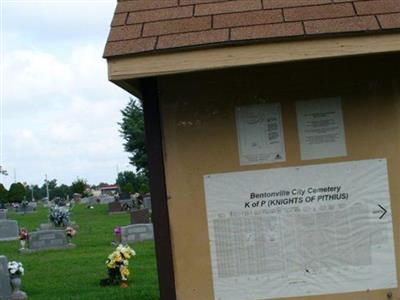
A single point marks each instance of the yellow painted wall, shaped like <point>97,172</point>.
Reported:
<point>200,138</point>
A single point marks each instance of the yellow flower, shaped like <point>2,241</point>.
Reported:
<point>128,252</point>
<point>111,265</point>
<point>118,258</point>
<point>126,255</point>
<point>124,271</point>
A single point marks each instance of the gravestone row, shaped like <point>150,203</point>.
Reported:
<point>30,207</point>
<point>93,200</point>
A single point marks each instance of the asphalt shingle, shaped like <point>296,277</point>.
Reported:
<point>145,26</point>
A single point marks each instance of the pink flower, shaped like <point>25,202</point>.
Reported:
<point>70,231</point>
<point>23,234</point>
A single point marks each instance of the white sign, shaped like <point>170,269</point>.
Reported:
<point>301,231</point>
<point>321,129</point>
<point>260,134</point>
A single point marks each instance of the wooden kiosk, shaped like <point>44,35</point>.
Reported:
<point>273,132</point>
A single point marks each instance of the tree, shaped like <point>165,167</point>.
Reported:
<point>62,191</point>
<point>3,194</point>
<point>28,192</point>
<point>79,186</point>
<point>127,188</point>
<point>142,183</point>
<point>132,131</point>
<point>16,192</point>
<point>37,192</point>
<point>52,186</point>
<point>130,182</point>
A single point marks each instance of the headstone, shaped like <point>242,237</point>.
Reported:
<point>77,197</point>
<point>46,226</point>
<point>92,201</point>
<point>5,286</point>
<point>114,207</point>
<point>33,205</point>
<point>147,201</point>
<point>105,199</point>
<point>137,233</point>
<point>45,201</point>
<point>3,214</point>
<point>140,216</point>
<point>9,230</point>
<point>50,226</point>
<point>47,239</point>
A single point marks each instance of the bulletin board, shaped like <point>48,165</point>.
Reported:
<point>199,119</point>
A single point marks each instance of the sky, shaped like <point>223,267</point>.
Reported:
<point>59,113</point>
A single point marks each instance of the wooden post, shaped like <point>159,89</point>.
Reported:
<point>159,200</point>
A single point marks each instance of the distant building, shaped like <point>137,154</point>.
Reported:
<point>109,190</point>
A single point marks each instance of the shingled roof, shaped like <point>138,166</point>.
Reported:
<point>143,26</point>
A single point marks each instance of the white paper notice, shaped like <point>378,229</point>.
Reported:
<point>321,129</point>
<point>260,134</point>
<point>303,231</point>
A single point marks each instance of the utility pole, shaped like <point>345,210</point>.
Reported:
<point>33,200</point>
<point>47,189</point>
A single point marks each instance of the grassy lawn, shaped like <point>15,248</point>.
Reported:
<point>75,274</point>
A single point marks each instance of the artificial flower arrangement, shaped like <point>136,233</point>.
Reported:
<point>23,237</point>
<point>70,232</point>
<point>59,216</point>
<point>117,265</point>
<point>15,269</point>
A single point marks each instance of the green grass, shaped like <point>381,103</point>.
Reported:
<point>75,274</point>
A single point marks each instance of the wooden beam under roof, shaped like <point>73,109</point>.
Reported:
<point>121,69</point>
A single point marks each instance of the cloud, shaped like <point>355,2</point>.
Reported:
<point>34,75</point>
<point>58,22</point>
<point>60,112</point>
<point>39,75</point>
<point>61,115</point>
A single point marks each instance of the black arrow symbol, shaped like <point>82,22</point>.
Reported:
<point>384,211</point>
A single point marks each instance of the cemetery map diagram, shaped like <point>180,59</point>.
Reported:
<point>314,234</point>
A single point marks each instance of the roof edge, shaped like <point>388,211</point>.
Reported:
<point>160,64</point>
